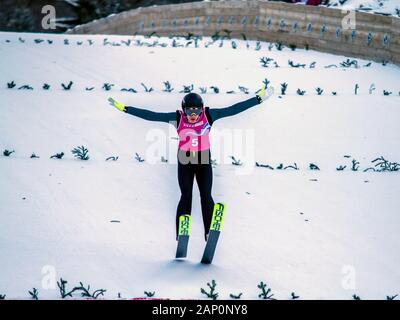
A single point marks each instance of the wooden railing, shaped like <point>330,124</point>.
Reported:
<point>355,34</point>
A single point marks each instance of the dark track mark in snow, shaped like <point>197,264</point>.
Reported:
<point>306,220</point>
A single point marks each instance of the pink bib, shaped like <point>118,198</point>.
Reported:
<point>194,136</point>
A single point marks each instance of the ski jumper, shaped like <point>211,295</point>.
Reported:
<point>194,156</point>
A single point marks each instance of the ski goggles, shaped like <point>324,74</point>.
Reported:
<point>193,110</point>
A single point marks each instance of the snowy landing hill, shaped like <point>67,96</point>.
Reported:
<point>322,234</point>
<point>386,7</point>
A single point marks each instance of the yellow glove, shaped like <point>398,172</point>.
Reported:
<point>264,93</point>
<point>119,105</point>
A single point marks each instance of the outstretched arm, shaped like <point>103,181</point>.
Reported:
<point>264,94</point>
<point>233,109</point>
<point>143,113</point>
<point>151,115</point>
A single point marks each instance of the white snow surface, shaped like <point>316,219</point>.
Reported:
<point>324,234</point>
<point>391,7</point>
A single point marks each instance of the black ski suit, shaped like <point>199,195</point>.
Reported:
<point>198,164</point>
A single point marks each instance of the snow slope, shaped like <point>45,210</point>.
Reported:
<point>391,7</point>
<point>324,234</point>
